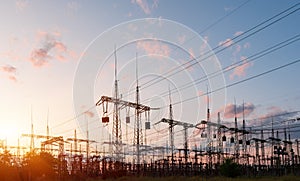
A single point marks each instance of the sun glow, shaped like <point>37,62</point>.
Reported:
<point>9,133</point>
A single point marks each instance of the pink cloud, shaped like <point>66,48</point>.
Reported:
<point>204,45</point>
<point>10,71</point>
<point>39,57</point>
<point>21,5</point>
<point>154,48</point>
<point>89,114</point>
<point>12,78</point>
<point>181,39</point>
<point>204,96</point>
<point>60,46</point>
<point>50,48</point>
<point>191,52</point>
<point>228,42</point>
<point>240,71</point>
<point>238,33</point>
<point>237,49</point>
<point>272,111</point>
<point>229,110</point>
<point>143,4</point>
<point>247,45</point>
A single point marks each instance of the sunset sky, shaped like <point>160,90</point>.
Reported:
<point>56,61</point>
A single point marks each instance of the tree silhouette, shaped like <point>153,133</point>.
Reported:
<point>39,166</point>
<point>230,169</point>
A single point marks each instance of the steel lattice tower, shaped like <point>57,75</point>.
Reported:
<point>171,129</point>
<point>138,135</point>
<point>220,143</point>
<point>236,141</point>
<point>209,140</point>
<point>244,135</point>
<point>117,131</point>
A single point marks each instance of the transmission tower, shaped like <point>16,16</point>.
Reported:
<point>171,128</point>
<point>139,109</point>
<point>32,134</point>
<point>236,141</point>
<point>138,135</point>
<point>220,142</point>
<point>244,136</point>
<point>262,146</point>
<point>209,140</point>
<point>116,121</point>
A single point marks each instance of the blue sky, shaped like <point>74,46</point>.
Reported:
<point>44,43</point>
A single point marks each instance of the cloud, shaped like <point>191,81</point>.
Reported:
<point>274,112</point>
<point>228,42</point>
<point>230,109</point>
<point>12,78</point>
<point>155,4</point>
<point>8,69</point>
<point>50,47</point>
<point>237,50</point>
<point>238,33</point>
<point>11,72</point>
<point>240,71</point>
<point>181,39</point>
<point>72,7</point>
<point>129,14</point>
<point>21,5</point>
<point>247,45</point>
<point>39,57</point>
<point>204,45</point>
<point>89,114</point>
<point>143,4</point>
<point>154,48</point>
<point>205,97</point>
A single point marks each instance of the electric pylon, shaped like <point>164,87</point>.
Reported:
<point>117,131</point>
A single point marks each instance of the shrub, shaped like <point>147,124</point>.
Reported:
<point>230,169</point>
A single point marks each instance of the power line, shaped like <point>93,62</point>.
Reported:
<point>241,81</point>
<point>249,59</point>
<point>213,49</point>
<point>211,53</point>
